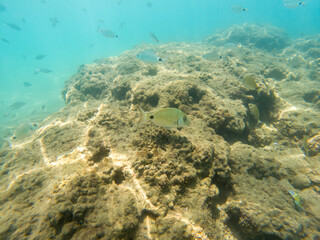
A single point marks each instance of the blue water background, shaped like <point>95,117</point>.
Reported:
<point>75,40</point>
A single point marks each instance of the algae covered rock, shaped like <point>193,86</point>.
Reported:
<point>260,36</point>
<point>91,171</point>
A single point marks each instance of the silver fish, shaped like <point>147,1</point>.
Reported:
<point>149,56</point>
<point>107,33</point>
<point>238,8</point>
<point>165,117</point>
<point>42,70</point>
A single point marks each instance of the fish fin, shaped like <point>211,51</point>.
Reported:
<point>143,116</point>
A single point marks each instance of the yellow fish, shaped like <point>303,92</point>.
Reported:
<point>249,82</point>
<point>254,110</point>
<point>166,117</point>
<point>296,199</point>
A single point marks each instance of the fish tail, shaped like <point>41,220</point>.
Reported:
<point>143,116</point>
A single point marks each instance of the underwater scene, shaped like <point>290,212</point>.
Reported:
<point>160,120</point>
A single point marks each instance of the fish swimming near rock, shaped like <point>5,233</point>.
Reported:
<point>238,8</point>
<point>149,56</point>
<point>254,111</point>
<point>212,56</point>
<point>13,26</point>
<point>166,117</point>
<point>249,81</point>
<point>42,70</point>
<point>154,37</point>
<point>24,130</point>
<point>40,56</point>
<point>27,84</point>
<point>107,33</point>
<point>17,105</point>
<point>296,200</point>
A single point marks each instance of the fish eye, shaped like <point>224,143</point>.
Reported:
<point>300,3</point>
<point>160,59</point>
<point>151,117</point>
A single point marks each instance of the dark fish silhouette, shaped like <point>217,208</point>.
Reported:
<point>54,21</point>
<point>42,70</point>
<point>4,40</point>
<point>13,26</point>
<point>40,57</point>
<point>154,37</point>
<point>17,105</point>
<point>26,84</point>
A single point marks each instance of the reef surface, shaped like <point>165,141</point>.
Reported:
<point>90,171</point>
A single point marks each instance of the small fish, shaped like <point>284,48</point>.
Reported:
<point>13,26</point>
<point>42,70</point>
<point>249,82</point>
<point>107,33</point>
<point>293,3</point>
<point>238,8</point>
<point>24,130</point>
<point>17,105</point>
<point>43,107</point>
<point>154,37</point>
<point>4,40</point>
<point>26,84</point>
<point>54,21</point>
<point>40,57</point>
<point>296,199</point>
<point>212,56</point>
<point>166,117</point>
<point>254,111</point>
<point>149,56</point>
<point>3,8</point>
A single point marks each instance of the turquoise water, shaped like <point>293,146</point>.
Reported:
<point>75,39</point>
